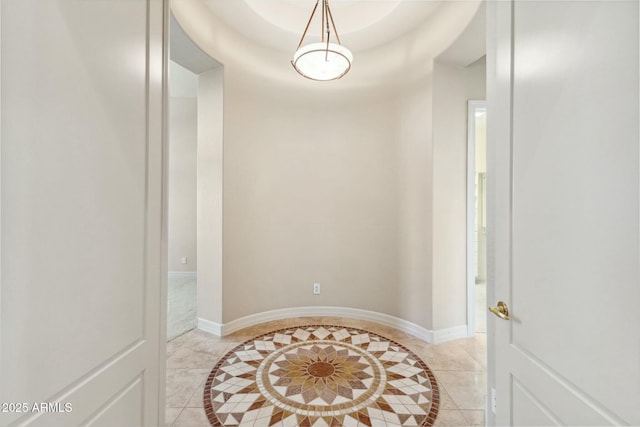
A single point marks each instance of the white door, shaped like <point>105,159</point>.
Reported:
<point>564,211</point>
<point>81,153</point>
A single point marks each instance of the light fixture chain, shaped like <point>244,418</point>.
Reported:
<point>325,13</point>
<point>324,16</point>
<point>333,24</point>
<point>308,23</point>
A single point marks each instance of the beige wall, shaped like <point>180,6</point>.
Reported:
<point>453,87</point>
<point>182,169</point>
<point>364,194</point>
<point>350,192</point>
<point>310,191</point>
<point>414,207</point>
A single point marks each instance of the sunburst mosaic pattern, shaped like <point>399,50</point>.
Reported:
<point>321,376</point>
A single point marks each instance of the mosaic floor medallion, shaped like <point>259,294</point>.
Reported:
<point>321,376</point>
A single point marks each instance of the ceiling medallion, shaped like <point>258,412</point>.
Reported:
<point>324,60</point>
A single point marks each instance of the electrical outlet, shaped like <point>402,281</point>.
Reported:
<point>316,288</point>
<point>184,260</point>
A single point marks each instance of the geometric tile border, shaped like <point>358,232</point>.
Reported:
<point>321,375</point>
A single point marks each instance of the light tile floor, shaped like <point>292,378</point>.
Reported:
<point>181,305</point>
<point>459,367</point>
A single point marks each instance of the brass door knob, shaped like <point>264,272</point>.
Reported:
<point>502,311</point>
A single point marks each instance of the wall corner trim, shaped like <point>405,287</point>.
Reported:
<point>430,336</point>
<point>211,327</point>
<point>449,334</point>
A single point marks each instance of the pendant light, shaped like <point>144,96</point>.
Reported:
<point>324,60</point>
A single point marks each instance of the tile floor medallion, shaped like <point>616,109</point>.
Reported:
<point>321,376</point>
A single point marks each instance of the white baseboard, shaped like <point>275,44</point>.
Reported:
<point>182,274</point>
<point>430,336</point>
<point>211,327</point>
<point>449,334</point>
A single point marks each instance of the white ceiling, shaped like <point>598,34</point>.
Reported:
<point>470,44</point>
<point>391,39</point>
<point>361,24</point>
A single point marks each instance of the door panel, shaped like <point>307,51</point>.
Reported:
<point>81,190</point>
<point>527,410</point>
<point>123,409</point>
<point>572,348</point>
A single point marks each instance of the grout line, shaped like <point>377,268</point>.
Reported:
<point>173,422</point>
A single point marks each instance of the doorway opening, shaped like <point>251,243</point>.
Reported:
<point>181,202</point>
<point>194,178</point>
<point>194,208</point>
<point>476,217</point>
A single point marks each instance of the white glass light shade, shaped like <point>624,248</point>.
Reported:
<point>317,61</point>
